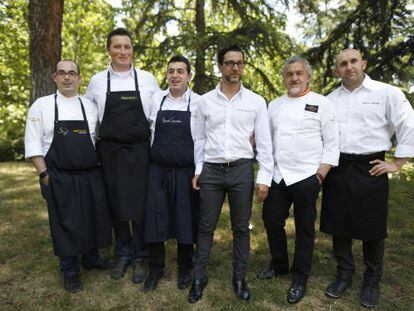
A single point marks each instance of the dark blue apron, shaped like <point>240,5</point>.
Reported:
<point>79,215</point>
<point>172,207</point>
<point>124,152</point>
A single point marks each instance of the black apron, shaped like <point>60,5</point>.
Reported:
<point>79,215</point>
<point>354,203</point>
<point>172,208</point>
<point>124,152</point>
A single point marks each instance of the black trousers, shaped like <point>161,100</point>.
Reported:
<point>303,195</point>
<point>130,243</point>
<point>215,182</point>
<point>156,259</point>
<point>373,252</point>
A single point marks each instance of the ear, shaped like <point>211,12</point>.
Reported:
<point>335,72</point>
<point>364,64</point>
<point>220,67</point>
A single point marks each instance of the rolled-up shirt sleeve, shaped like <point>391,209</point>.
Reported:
<point>401,115</point>
<point>330,135</point>
<point>263,145</point>
<point>34,133</point>
<point>200,138</point>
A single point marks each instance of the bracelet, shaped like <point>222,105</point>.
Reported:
<point>43,174</point>
<point>320,176</point>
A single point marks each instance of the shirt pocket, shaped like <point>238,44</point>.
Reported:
<point>311,120</point>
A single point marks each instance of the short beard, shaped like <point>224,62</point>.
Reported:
<point>294,91</point>
<point>228,78</point>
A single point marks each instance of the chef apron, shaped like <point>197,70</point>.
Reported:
<point>354,203</point>
<point>124,152</point>
<point>172,207</point>
<point>79,215</point>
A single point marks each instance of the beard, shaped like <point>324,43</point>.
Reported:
<point>232,80</point>
<point>294,90</point>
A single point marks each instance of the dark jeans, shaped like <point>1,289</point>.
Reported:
<point>215,182</point>
<point>373,252</point>
<point>303,195</point>
<point>130,245</point>
<point>69,264</point>
<point>156,258</point>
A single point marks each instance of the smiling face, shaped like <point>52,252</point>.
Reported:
<point>178,78</point>
<point>350,68</point>
<point>232,67</point>
<point>120,51</point>
<point>67,78</point>
<point>296,79</point>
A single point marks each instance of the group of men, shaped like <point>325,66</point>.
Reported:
<point>166,160</point>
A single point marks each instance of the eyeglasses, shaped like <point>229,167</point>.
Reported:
<point>230,64</point>
<point>62,73</point>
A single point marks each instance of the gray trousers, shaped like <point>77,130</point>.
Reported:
<point>237,181</point>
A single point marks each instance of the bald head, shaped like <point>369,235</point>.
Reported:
<point>350,68</point>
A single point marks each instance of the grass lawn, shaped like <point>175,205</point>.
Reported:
<point>30,279</point>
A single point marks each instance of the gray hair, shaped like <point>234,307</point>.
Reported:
<point>297,59</point>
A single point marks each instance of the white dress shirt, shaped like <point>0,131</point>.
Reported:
<point>225,126</point>
<point>41,117</point>
<point>305,134</point>
<point>368,117</point>
<point>173,103</point>
<point>121,81</point>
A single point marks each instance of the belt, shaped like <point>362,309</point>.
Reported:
<point>228,164</point>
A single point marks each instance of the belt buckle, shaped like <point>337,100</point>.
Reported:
<point>225,165</point>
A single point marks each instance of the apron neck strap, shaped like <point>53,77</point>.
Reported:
<point>57,111</point>
<point>188,105</point>
<point>108,81</point>
<point>162,102</point>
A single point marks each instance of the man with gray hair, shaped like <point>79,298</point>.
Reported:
<point>305,146</point>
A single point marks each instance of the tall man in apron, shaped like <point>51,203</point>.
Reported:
<point>59,140</point>
<point>123,95</point>
<point>172,203</point>
<point>355,194</point>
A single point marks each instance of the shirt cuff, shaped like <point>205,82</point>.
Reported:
<point>264,178</point>
<point>330,159</point>
<point>199,168</point>
<point>404,151</point>
<point>32,151</point>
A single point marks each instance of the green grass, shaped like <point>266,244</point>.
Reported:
<point>30,279</point>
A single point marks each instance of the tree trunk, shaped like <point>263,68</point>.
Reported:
<point>201,82</point>
<point>45,26</point>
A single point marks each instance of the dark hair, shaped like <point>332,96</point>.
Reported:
<point>117,32</point>
<point>180,59</point>
<point>69,60</point>
<point>223,51</point>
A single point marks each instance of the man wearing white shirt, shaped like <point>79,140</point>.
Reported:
<point>305,146</point>
<point>355,195</point>
<point>59,140</point>
<point>123,95</point>
<point>172,204</point>
<point>226,119</point>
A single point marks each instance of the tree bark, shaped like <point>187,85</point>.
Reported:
<point>45,27</point>
<point>201,81</point>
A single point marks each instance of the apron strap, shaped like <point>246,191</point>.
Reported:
<point>56,110</point>
<point>162,102</point>
<point>83,109</point>
<point>136,80</point>
<point>108,83</point>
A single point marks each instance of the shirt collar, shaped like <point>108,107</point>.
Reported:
<point>63,98</point>
<point>123,73</point>
<point>220,93</point>
<point>366,83</point>
<point>185,96</point>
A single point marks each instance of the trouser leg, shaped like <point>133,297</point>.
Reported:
<point>69,265</point>
<point>342,247</point>
<point>156,258</point>
<point>185,254</point>
<point>139,248</point>
<point>275,212</point>
<point>212,196</point>
<point>373,258</point>
<point>91,257</point>
<point>123,240</point>
<point>305,194</point>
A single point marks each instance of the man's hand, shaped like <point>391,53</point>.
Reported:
<point>262,191</point>
<point>45,180</point>
<point>322,171</point>
<point>383,167</point>
<point>196,185</point>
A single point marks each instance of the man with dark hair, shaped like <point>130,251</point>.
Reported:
<point>60,138</point>
<point>123,94</point>
<point>172,207</point>
<point>355,194</point>
<point>305,146</point>
<point>226,119</point>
